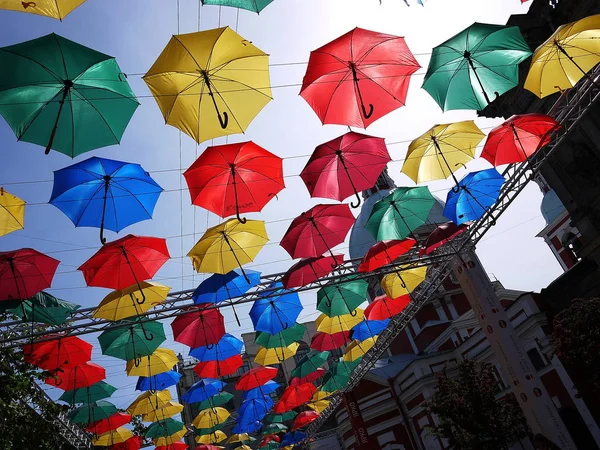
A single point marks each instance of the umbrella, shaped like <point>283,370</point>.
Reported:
<point>441,235</point>
<point>358,349</point>
<point>149,402</point>
<point>441,151</point>
<point>273,438</point>
<point>468,68</point>
<point>168,410</point>
<point>57,9</point>
<point>41,308</point>
<point>274,428</point>
<point>269,356</point>
<point>112,422</point>
<point>295,437</point>
<point>368,329</point>
<point>345,166</point>
<point>283,338</point>
<point>62,352</point>
<point>566,57</point>
<point>228,246</point>
<point>48,81</point>
<point>83,375</point>
<point>117,436</point>
<point>319,401</point>
<point>133,341</point>
<point>224,78</point>
<point>282,417</point>
<point>255,377</point>
<point>227,347</point>
<point>12,212</point>
<point>343,298</point>
<point>254,409</point>
<point>337,324</point>
<point>261,390</point>
<point>309,363</point>
<point>384,307</point>
<point>276,313</point>
<point>309,270</point>
<point>124,303</point>
<point>400,213</point>
<point>358,78</point>
<point>338,375</point>
<point>247,428</point>
<point>164,428</point>
<point>325,342</point>
<point>318,230</point>
<point>133,443</point>
<point>235,179</point>
<point>251,5</point>
<point>203,390</point>
<point>294,396</point>
<point>200,327</point>
<point>175,446</point>
<point>219,368</point>
<point>205,431</point>
<point>517,138</point>
<point>219,399</point>
<point>169,440</point>
<point>158,382</point>
<point>89,394</point>
<point>212,438</point>
<point>240,438</point>
<point>385,252</point>
<point>211,417</point>
<point>160,361</point>
<point>24,273</point>
<point>305,418</point>
<point>104,193</point>
<point>478,192</point>
<point>310,378</point>
<point>403,281</point>
<point>92,412</point>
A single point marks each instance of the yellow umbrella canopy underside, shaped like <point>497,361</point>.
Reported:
<point>337,324</point>
<point>170,440</point>
<point>441,151</point>
<point>357,349</point>
<point>149,401</point>
<point>396,285</point>
<point>113,437</point>
<point>212,438</point>
<point>129,302</point>
<point>276,355</point>
<point>566,56</point>
<point>12,213</point>
<point>219,62</point>
<point>162,360</point>
<point>210,417</point>
<point>57,9</point>
<point>166,411</point>
<point>240,437</point>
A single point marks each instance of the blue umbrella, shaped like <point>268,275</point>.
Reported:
<point>261,391</point>
<point>293,438</point>
<point>369,328</point>
<point>203,390</point>
<point>158,382</point>
<point>247,428</point>
<point>227,347</point>
<point>218,288</point>
<point>104,193</point>
<point>252,410</point>
<point>277,312</point>
<point>477,192</point>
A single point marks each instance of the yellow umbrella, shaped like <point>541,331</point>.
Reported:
<point>162,360</point>
<point>240,437</point>
<point>128,302</point>
<point>243,447</point>
<point>12,211</point>
<point>319,401</point>
<point>212,438</point>
<point>397,284</point>
<point>566,56</point>
<point>57,9</point>
<point>113,437</point>
<point>276,355</point>
<point>210,417</point>
<point>228,246</point>
<point>211,83</point>
<point>357,349</point>
<point>149,401</point>
<point>337,324</point>
<point>441,151</point>
<point>170,440</point>
<point>166,411</point>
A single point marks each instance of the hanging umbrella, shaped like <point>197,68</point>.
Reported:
<point>441,151</point>
<point>168,440</point>
<point>41,308</point>
<point>269,356</point>
<point>205,431</point>
<point>80,376</point>
<point>92,412</point>
<point>227,347</point>
<point>345,166</point>
<point>358,78</point>
<point>310,363</point>
<point>282,339</point>
<point>294,396</point>
<point>235,179</point>
<point>164,428</point>
<point>133,443</point>
<point>310,378</point>
<point>133,341</point>
<point>479,62</point>
<point>403,281</point>
<point>280,418</point>
<point>338,376</point>
<point>441,235</point>
<point>319,401</point>
<point>385,252</point>
<point>358,349</point>
<point>160,361</point>
<point>517,138</point>
<point>368,329</point>
<point>240,438</point>
<point>253,410</point>
<point>209,446</point>
<point>247,428</point>
<point>270,438</point>
<point>124,303</point>
<point>276,313</point>
<point>12,212</point>
<point>148,402</point>
<point>275,428</point>
<point>228,246</point>
<point>158,382</point>
<point>255,377</point>
<point>112,422</point>
<point>295,437</point>
<point>211,417</point>
<point>219,368</point>
<point>62,352</point>
<point>57,9</point>
<point>175,446</point>
<point>113,437</point>
<point>203,390</point>
<point>309,270</point>
<point>213,438</point>
<point>325,342</point>
<point>48,81</point>
<point>478,192</point>
<point>251,5</point>
<point>262,390</point>
<point>305,418</point>
<point>343,298</point>
<point>337,324</point>
<point>219,399</point>
<point>167,411</point>
<point>566,57</point>
<point>200,327</point>
<point>224,79</point>
<point>89,394</point>
<point>384,307</point>
<point>317,230</point>
<point>400,213</point>
<point>24,273</point>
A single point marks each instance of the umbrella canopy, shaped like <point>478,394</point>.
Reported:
<point>385,252</point>
<point>57,9</point>
<point>175,446</point>
<point>277,312</point>
<point>239,437</point>
<point>517,138</point>
<point>133,341</point>
<point>164,428</point>
<point>368,329</point>
<point>160,361</point>
<point>308,270</point>
<point>158,382</point>
<point>294,396</point>
<point>104,193</point>
<point>212,438</point>
<point>310,378</point>
<point>317,230</point>
<point>48,81</point>
<point>566,57</point>
<point>235,179</point>
<point>125,303</point>
<point>24,273</point>
<point>305,418</point>
<point>227,347</point>
<point>283,338</point>
<point>478,192</point>
<point>89,394</point>
<point>255,377</point>
<point>274,428</point>
<point>250,5</point>
<point>479,62</point>
<point>219,399</point>
<point>200,327</point>
<point>92,412</point>
<point>312,361</point>
<point>112,422</point>
<point>41,308</point>
<point>169,440</point>
<point>254,409</point>
<point>203,390</point>
<point>225,79</point>
<point>12,212</point>
<point>338,376</point>
<point>344,298</point>
<point>400,213</point>
<point>116,436</point>
<point>345,166</point>
<point>269,356</point>
<point>205,431</point>
<point>358,78</point>
<point>441,235</point>
<point>168,410</point>
<point>384,307</point>
<point>357,349</point>
<point>219,368</point>
<point>133,443</point>
<point>261,391</point>
<point>80,376</point>
<point>270,438</point>
<point>325,342</point>
<point>295,437</point>
<point>403,281</point>
<point>337,324</point>
<point>319,401</point>
<point>247,428</point>
<point>211,417</point>
<point>62,352</point>
<point>149,401</point>
<point>280,418</point>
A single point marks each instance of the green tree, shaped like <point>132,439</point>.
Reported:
<point>469,416</point>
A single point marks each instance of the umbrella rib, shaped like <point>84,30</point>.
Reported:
<point>51,72</point>
<point>259,90</point>
<point>37,114</point>
<point>77,94</point>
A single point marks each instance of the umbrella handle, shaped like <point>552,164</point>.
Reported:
<point>456,189</point>
<point>356,205</point>
<point>137,361</point>
<point>353,313</point>
<point>364,110</point>
<point>237,213</point>
<point>285,325</point>
<point>224,121</point>
<point>143,297</point>
<point>102,238</point>
<point>210,346</point>
<point>66,89</point>
<point>148,336</point>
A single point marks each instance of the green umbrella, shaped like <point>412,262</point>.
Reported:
<point>274,428</point>
<point>338,375</point>
<point>41,308</point>
<point>92,412</point>
<point>251,5</point>
<point>62,95</point>
<point>163,428</point>
<point>476,64</point>
<point>342,298</point>
<point>281,339</point>
<point>96,391</point>
<point>216,400</point>
<point>271,446</point>
<point>133,341</point>
<point>279,418</point>
<point>309,363</point>
<point>400,213</point>
<point>205,431</point>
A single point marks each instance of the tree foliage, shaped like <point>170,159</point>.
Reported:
<point>469,416</point>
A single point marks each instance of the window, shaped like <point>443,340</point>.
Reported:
<point>536,359</point>
<point>302,350</point>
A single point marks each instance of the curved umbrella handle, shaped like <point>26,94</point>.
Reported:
<point>456,188</point>
<point>364,110</point>
<point>240,219</point>
<point>102,238</point>
<point>210,346</point>
<point>353,313</point>
<point>224,121</point>
<point>356,205</point>
<point>148,336</point>
<point>285,325</point>
<point>143,298</point>
<point>137,361</point>
<point>328,303</point>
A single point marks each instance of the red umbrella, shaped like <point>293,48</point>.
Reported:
<point>64,353</point>
<point>308,270</point>
<point>235,178</point>
<point>173,446</point>
<point>313,376</point>
<point>133,443</point>
<point>318,230</point>
<point>24,273</point>
<point>384,307</point>
<point>206,447</point>
<point>216,369</point>
<point>345,166</point>
<point>201,327</point>
<point>304,418</point>
<point>83,375</point>
<point>383,253</point>
<point>255,377</point>
<point>518,138</point>
<point>110,423</point>
<point>325,342</point>
<point>294,396</point>
<point>442,234</point>
<point>358,78</point>
<point>269,438</point>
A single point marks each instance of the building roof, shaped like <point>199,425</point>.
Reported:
<point>551,206</point>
